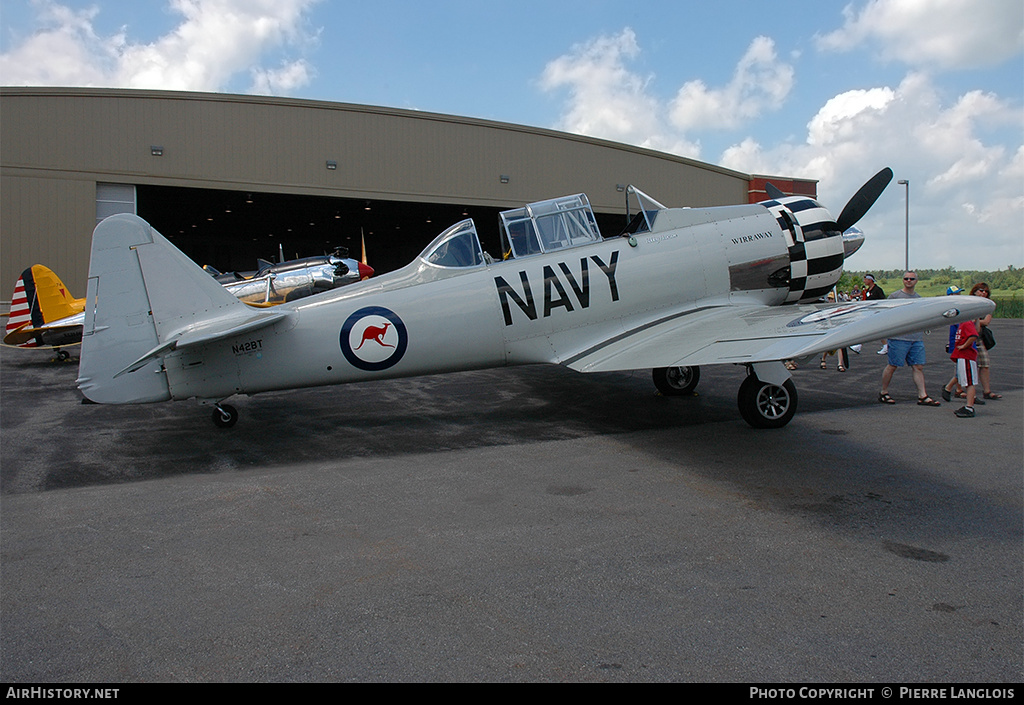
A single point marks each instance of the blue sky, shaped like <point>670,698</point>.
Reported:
<point>932,88</point>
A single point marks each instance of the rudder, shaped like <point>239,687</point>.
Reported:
<point>142,293</point>
<point>53,299</point>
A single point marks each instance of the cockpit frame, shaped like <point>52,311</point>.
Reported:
<point>644,219</point>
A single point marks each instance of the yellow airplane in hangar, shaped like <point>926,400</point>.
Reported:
<point>679,288</point>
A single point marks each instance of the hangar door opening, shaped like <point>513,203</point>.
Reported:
<point>230,230</point>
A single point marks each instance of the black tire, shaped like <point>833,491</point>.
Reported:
<point>676,381</point>
<point>766,405</point>
<point>225,416</point>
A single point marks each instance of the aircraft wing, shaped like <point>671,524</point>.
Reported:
<point>751,333</point>
<point>70,326</point>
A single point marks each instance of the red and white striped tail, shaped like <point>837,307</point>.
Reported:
<point>21,313</point>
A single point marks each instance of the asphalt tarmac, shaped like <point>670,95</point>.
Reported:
<point>527,524</point>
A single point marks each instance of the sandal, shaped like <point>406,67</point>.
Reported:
<point>790,365</point>
<point>886,399</point>
<point>928,401</point>
<point>840,368</point>
<point>823,365</point>
<point>992,395</point>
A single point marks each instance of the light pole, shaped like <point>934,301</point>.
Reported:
<point>906,224</point>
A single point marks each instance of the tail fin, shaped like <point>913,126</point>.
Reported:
<point>22,303</point>
<point>40,297</point>
<point>143,294</point>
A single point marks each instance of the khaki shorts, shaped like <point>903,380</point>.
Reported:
<point>982,354</point>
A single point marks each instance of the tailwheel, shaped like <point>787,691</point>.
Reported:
<point>766,405</point>
<point>225,416</point>
<point>676,381</point>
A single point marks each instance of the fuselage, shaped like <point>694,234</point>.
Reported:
<point>438,315</point>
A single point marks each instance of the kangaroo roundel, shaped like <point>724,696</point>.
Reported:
<point>374,338</point>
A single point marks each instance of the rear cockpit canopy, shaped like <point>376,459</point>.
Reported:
<point>546,226</point>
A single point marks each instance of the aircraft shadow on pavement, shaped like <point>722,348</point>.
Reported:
<point>51,440</point>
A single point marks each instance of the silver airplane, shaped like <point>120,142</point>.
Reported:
<point>679,288</point>
<point>273,284</point>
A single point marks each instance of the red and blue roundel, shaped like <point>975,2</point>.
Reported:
<point>374,339</point>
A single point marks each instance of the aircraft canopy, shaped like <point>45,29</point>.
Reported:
<point>549,225</point>
<point>458,246</point>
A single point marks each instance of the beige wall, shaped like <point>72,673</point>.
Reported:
<point>45,221</point>
<point>55,144</point>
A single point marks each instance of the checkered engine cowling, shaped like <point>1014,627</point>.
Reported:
<point>815,246</point>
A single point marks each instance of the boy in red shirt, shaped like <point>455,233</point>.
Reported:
<point>965,355</point>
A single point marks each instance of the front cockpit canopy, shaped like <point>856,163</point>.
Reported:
<point>458,246</point>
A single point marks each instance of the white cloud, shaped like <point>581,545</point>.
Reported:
<point>214,41</point>
<point>761,82</point>
<point>966,193</point>
<point>608,100</point>
<point>283,80</point>
<point>936,33</point>
<point>838,116</point>
<point>962,156</point>
<point>65,52</point>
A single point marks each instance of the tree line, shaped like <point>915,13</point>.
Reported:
<point>1010,278</point>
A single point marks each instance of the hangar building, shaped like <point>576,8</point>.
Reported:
<point>229,178</point>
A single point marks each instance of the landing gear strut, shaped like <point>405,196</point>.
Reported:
<point>224,415</point>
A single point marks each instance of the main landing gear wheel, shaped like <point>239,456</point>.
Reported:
<point>766,405</point>
<point>225,416</point>
<point>676,381</point>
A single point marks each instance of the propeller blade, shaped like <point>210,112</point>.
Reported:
<point>773,191</point>
<point>864,199</point>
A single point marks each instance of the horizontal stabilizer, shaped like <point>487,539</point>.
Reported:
<point>53,334</point>
<point>217,329</point>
